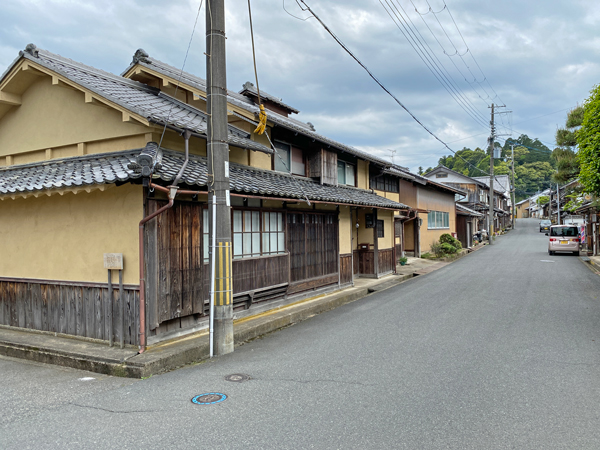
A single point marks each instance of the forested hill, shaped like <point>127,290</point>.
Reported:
<point>534,164</point>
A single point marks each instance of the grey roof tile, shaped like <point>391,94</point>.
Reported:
<point>136,97</point>
<point>68,172</point>
<point>244,102</point>
<point>110,167</point>
<point>249,87</point>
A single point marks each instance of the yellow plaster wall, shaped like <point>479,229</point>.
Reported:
<point>64,237</point>
<point>174,141</point>
<point>521,209</point>
<point>325,207</point>
<point>387,241</point>
<point>362,174</point>
<point>365,235</point>
<point>272,204</point>
<point>260,160</point>
<point>430,236</point>
<point>345,228</point>
<point>238,155</point>
<point>56,116</point>
<point>435,201</point>
<point>299,205</point>
<point>409,235</point>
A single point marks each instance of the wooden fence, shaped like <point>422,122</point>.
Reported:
<point>80,309</point>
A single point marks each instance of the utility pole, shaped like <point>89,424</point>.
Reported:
<point>557,205</point>
<point>514,207</point>
<point>221,286</point>
<point>491,200</point>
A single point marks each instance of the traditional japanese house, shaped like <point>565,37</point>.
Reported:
<point>86,156</point>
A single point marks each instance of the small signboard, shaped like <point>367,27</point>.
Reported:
<point>113,261</point>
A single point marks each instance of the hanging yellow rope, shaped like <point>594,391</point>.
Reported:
<point>262,116</point>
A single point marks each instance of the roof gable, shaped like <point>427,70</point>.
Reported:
<point>142,61</point>
<point>143,103</point>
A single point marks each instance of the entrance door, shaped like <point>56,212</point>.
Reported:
<point>312,240</point>
<point>174,262</point>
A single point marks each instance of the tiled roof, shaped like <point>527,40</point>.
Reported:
<point>122,166</point>
<point>136,97</point>
<point>501,182</point>
<point>249,87</point>
<point>73,172</point>
<point>237,99</point>
<point>252,181</point>
<point>468,211</point>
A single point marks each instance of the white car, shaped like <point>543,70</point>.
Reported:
<point>563,238</point>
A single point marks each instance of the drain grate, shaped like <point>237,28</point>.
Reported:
<point>209,399</point>
<point>237,377</point>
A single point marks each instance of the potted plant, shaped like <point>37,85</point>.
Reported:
<point>403,260</point>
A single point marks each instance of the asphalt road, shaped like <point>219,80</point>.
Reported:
<point>497,350</point>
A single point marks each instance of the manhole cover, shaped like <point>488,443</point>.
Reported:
<point>237,377</point>
<point>209,399</point>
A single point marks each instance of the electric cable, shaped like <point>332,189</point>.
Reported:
<point>450,57</point>
<point>180,74</point>
<point>470,52</point>
<point>374,77</point>
<point>429,59</point>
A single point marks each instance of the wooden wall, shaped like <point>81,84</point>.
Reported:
<point>70,308</point>
<point>365,260</point>
<point>345,269</point>
<point>386,261</point>
<point>253,274</point>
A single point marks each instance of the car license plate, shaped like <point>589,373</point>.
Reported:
<point>564,242</point>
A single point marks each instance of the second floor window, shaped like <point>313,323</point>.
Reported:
<point>346,173</point>
<point>289,159</point>
<point>387,183</point>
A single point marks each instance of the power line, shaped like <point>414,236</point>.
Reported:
<point>338,40</point>
<point>181,73</point>
<point>470,52</point>
<point>435,66</point>
<point>448,55</point>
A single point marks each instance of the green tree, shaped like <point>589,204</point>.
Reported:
<point>567,135</point>
<point>567,166</point>
<point>533,177</point>
<point>588,140</point>
<point>543,200</point>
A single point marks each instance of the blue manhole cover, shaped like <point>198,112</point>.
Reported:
<point>209,399</point>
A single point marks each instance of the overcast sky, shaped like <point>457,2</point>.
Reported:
<point>539,58</point>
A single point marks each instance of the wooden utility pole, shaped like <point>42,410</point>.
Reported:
<point>221,286</point>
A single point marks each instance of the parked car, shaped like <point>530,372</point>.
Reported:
<point>563,238</point>
<point>545,225</point>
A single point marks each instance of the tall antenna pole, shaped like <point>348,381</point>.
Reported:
<point>221,295</point>
<point>491,201</point>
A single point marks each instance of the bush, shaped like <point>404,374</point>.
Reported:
<point>448,239</point>
<point>426,255</point>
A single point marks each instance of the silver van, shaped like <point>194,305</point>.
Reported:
<point>563,238</point>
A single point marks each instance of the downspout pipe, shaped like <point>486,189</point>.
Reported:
<point>172,194</point>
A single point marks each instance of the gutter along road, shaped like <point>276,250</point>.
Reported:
<point>499,349</point>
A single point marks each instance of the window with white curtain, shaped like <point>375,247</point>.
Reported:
<point>438,220</point>
<point>257,233</point>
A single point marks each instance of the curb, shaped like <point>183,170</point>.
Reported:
<point>590,264</point>
<point>189,349</point>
